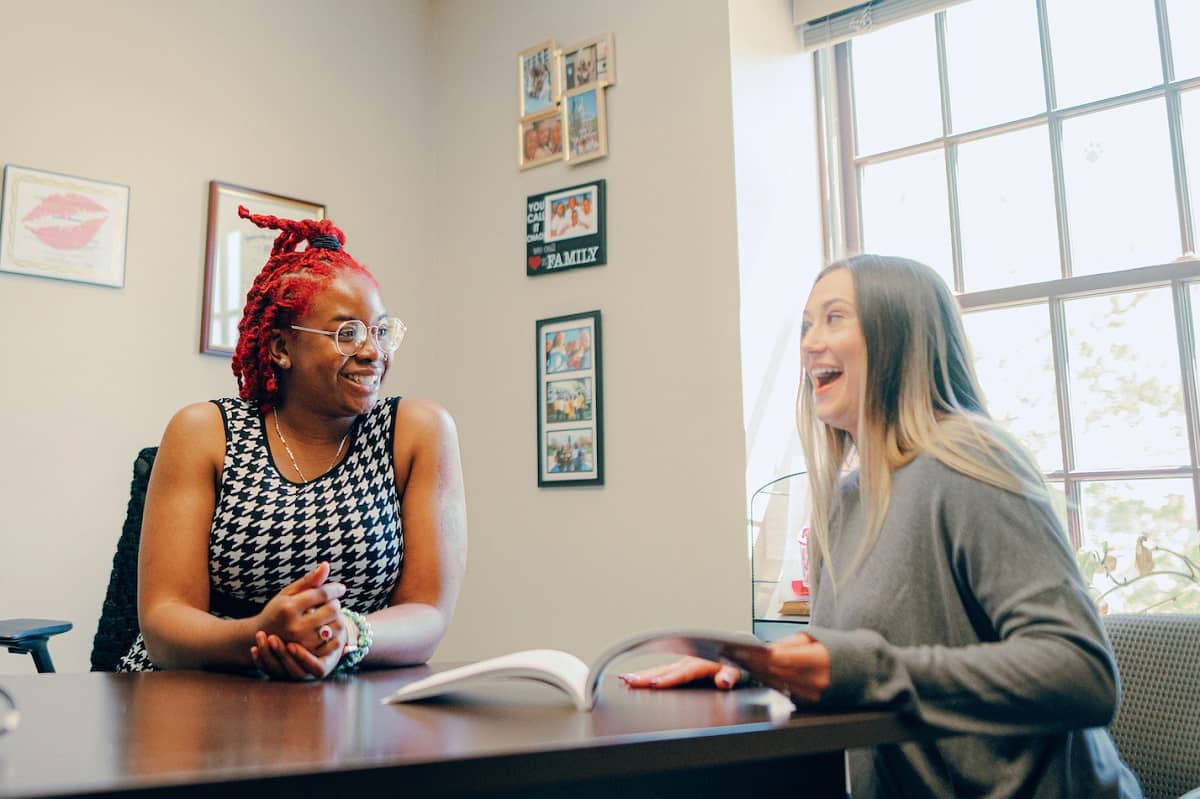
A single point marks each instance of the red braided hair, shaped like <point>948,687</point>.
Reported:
<point>281,293</point>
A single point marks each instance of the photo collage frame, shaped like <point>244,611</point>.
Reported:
<point>562,114</point>
<point>570,428</point>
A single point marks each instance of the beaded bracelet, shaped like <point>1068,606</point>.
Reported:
<point>355,651</point>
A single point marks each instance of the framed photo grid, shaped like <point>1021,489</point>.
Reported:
<point>570,427</point>
<point>63,227</point>
<point>561,114</point>
<point>237,251</point>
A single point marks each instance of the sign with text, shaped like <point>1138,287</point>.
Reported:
<point>564,229</point>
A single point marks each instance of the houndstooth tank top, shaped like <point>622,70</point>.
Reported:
<point>268,531</point>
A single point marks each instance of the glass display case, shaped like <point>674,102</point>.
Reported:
<point>778,533</point>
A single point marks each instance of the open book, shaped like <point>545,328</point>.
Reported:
<point>570,674</point>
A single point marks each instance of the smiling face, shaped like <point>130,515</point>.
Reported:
<point>321,378</point>
<point>833,350</point>
<point>531,143</point>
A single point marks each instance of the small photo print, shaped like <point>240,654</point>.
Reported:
<point>589,61</point>
<point>568,350</point>
<point>571,213</point>
<point>586,134</point>
<point>569,401</point>
<point>540,139</point>
<point>570,451</point>
<point>538,78</point>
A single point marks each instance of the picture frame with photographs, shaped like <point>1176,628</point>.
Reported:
<point>566,229</point>
<point>237,250</point>
<point>540,139</point>
<point>537,79</point>
<point>585,125</point>
<point>570,426</point>
<point>587,62</point>
<point>63,227</point>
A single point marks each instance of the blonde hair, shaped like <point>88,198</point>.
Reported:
<point>920,395</point>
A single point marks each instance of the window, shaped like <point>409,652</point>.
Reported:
<point>1044,157</point>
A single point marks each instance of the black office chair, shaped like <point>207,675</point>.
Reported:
<point>118,627</point>
<point>1157,728</point>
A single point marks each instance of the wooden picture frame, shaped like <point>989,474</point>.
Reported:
<point>538,88</point>
<point>540,139</point>
<point>586,62</point>
<point>585,124</point>
<point>236,252</point>
<point>570,426</point>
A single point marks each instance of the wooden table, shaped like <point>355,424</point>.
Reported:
<point>190,733</point>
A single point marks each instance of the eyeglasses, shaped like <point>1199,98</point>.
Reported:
<point>351,335</point>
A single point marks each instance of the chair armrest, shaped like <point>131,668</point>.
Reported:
<point>15,632</point>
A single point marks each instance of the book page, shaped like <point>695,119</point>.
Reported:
<point>560,669</point>
<point>708,644</point>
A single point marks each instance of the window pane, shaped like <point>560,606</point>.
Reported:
<point>994,63</point>
<point>1114,516</point>
<point>1004,184</point>
<point>1194,290</point>
<point>1183,17</point>
<point>1190,106</point>
<point>1015,363</point>
<point>1098,52</point>
<point>1058,500</point>
<point>896,99</point>
<point>1120,189</point>
<point>904,210</point>
<point>1126,392</point>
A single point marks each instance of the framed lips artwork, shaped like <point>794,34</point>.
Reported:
<point>63,227</point>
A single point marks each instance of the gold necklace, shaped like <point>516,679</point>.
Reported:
<point>296,466</point>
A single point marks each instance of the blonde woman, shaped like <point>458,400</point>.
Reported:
<point>942,579</point>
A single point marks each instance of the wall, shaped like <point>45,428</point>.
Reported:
<point>402,117</point>
<point>163,97</point>
<point>662,543</point>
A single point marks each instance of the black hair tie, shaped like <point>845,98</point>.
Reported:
<point>325,242</point>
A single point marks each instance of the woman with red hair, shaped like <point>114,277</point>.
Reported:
<point>308,525</point>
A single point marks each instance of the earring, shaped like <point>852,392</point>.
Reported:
<point>283,361</point>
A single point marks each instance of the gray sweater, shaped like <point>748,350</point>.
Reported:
<point>970,613</point>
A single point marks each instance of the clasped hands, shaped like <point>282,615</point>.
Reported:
<point>302,631</point>
<point>798,666</point>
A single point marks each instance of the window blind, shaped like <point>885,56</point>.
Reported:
<point>825,22</point>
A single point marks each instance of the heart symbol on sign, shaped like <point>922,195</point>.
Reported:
<point>534,262</point>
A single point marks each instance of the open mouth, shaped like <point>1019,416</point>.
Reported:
<point>824,375</point>
<point>368,381</point>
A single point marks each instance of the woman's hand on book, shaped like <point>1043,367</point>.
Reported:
<point>797,666</point>
<point>682,671</point>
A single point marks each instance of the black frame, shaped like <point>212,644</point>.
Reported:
<point>574,252</point>
<point>586,370</point>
